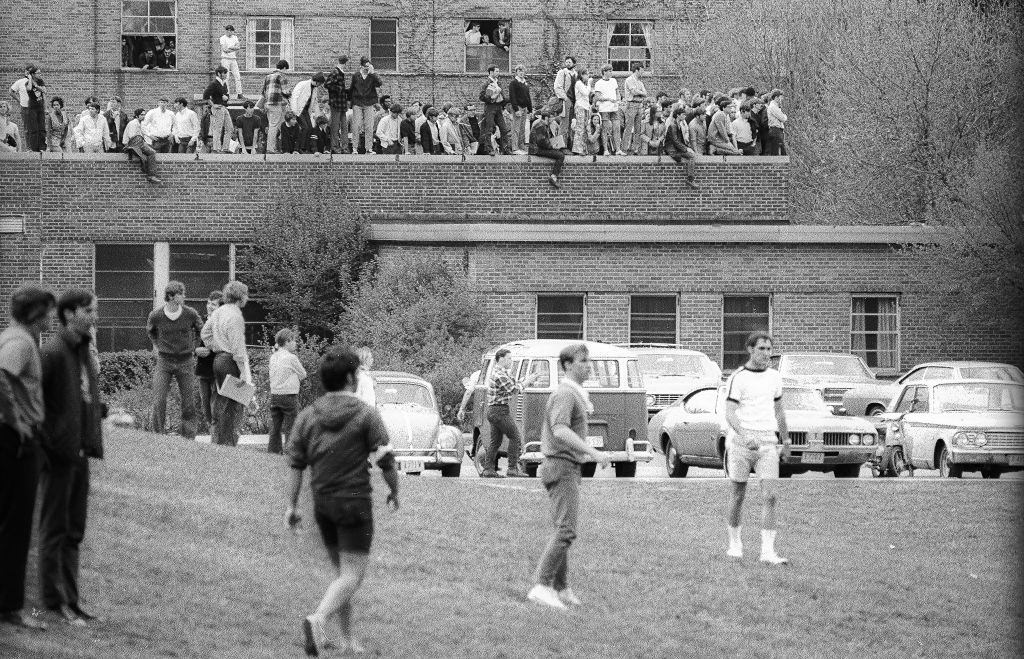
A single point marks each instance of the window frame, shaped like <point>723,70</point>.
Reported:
<point>536,314</point>
<point>649,66</point>
<point>771,306</point>
<point>897,334</point>
<point>369,42</point>
<point>287,47</point>
<point>465,59</point>
<point>675,316</point>
<point>149,16</point>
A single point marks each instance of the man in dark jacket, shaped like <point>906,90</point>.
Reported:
<point>362,93</point>
<point>71,435</point>
<point>117,120</point>
<point>338,98</point>
<point>540,144</point>
<point>494,100</point>
<point>678,146</point>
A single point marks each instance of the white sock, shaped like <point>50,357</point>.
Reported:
<point>767,541</point>
<point>735,537</point>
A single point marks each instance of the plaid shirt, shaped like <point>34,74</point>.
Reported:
<point>273,88</point>
<point>335,86</point>
<point>501,386</point>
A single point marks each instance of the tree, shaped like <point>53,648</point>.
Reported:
<point>418,314</point>
<point>305,258</point>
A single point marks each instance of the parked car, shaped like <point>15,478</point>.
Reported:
<point>832,374</point>
<point>618,423</point>
<point>670,371</point>
<point>871,398</point>
<point>955,426</point>
<point>419,439</point>
<point>692,432</point>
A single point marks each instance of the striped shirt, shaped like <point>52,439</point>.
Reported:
<point>501,386</point>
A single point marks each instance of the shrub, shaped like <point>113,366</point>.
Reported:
<point>125,370</point>
<point>309,350</point>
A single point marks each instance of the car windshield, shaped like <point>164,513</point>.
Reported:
<point>604,374</point>
<point>978,397</point>
<point>1008,373</point>
<point>838,366</point>
<point>397,393</point>
<point>803,400</point>
<point>667,364</point>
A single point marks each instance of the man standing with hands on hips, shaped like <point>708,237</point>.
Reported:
<point>756,422</point>
<point>563,442</point>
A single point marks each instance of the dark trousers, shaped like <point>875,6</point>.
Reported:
<point>493,117</point>
<point>691,162</point>
<point>35,128</point>
<point>64,491</point>
<point>305,128</point>
<point>182,146</point>
<point>162,144</point>
<point>183,371</point>
<point>557,156</point>
<point>146,154</point>
<point>19,475</point>
<point>749,148</point>
<point>283,408</point>
<point>502,425</point>
<point>227,413</point>
<point>776,145</point>
<point>561,478</point>
<point>207,390</point>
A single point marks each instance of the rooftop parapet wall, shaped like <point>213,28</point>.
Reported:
<point>103,196</point>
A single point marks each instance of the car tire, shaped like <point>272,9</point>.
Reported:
<point>875,410</point>
<point>451,471</point>
<point>625,469</point>
<point>946,468</point>
<point>531,470</point>
<point>990,473</point>
<point>588,469</point>
<point>847,471</point>
<point>785,472</point>
<point>675,468</point>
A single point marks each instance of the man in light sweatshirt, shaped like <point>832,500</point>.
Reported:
<point>286,376</point>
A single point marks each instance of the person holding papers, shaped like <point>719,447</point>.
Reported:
<point>224,334</point>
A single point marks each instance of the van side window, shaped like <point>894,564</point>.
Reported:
<point>542,367</point>
<point>633,377</point>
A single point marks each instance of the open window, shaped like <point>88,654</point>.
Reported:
<point>149,34</point>
<point>488,43</point>
<point>629,43</point>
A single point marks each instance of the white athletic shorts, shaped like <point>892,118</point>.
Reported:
<point>764,460</point>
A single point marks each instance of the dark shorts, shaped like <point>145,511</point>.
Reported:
<point>346,524</point>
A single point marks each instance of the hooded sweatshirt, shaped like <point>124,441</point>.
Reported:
<point>334,437</point>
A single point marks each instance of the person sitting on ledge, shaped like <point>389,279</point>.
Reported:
<point>540,144</point>
<point>135,142</point>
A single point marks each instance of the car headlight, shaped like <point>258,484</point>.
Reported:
<point>981,440</point>
<point>868,439</point>
<point>854,439</point>
<point>970,438</point>
<point>960,438</point>
<point>650,401</point>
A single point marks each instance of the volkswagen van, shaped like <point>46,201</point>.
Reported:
<point>618,422</point>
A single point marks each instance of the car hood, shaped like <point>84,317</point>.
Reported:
<point>972,420</point>
<point>876,388</point>
<point>409,425</point>
<point>807,420</point>
<point>674,384</point>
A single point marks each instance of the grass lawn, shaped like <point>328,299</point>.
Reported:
<point>186,556</point>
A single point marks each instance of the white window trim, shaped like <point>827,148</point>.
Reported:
<point>287,41</point>
<point>899,327</point>
<point>369,40</point>
<point>650,46</point>
<point>536,325</point>
<point>629,312</point>
<point>122,33</point>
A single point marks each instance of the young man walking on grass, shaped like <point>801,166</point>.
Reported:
<point>335,437</point>
<point>756,422</point>
<point>565,447</point>
<point>173,329</point>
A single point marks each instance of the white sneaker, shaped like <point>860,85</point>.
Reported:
<point>773,559</point>
<point>569,597</point>
<point>735,552</point>
<point>545,595</point>
<point>315,636</point>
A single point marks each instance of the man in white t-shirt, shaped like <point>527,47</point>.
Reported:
<point>229,47</point>
<point>756,420</point>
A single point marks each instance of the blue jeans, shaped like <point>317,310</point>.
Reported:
<point>502,425</point>
<point>561,478</point>
<point>184,372</point>
<point>283,408</point>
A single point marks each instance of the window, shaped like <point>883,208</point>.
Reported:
<point>384,43</point>
<point>202,268</point>
<point>652,319</point>
<point>741,315</point>
<point>258,331</point>
<point>875,333</point>
<point>488,43</point>
<point>123,280</point>
<point>560,317</point>
<point>702,402</point>
<point>268,40</point>
<point>633,377</point>
<point>542,369</point>
<point>629,43</point>
<point>149,32</point>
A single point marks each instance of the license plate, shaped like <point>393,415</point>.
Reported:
<point>1016,460</point>
<point>596,441</point>
<point>412,465</point>
<point>812,458</point>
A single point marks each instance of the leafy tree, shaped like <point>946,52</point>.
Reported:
<point>418,314</point>
<point>305,258</point>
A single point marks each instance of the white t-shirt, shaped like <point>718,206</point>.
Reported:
<point>756,393</point>
<point>608,89</point>
<point>228,42</point>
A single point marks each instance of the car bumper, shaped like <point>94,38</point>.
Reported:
<point>636,451</point>
<point>958,457</point>
<point>824,456</point>
<point>429,457</point>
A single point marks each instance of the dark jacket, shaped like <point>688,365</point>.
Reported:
<point>363,91</point>
<point>72,424</point>
<point>487,99</point>
<point>540,137</point>
<point>427,139</point>
<point>336,92</point>
<point>519,95</point>
<point>407,131</point>
<point>676,138</point>
<point>217,92</point>
<point>116,134</point>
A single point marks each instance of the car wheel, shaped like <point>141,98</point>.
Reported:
<point>847,471</point>
<point>531,470</point>
<point>946,468</point>
<point>588,469</point>
<point>625,469</point>
<point>875,410</point>
<point>675,468</point>
<point>451,471</point>
<point>990,473</point>
<point>785,472</point>
<point>897,462</point>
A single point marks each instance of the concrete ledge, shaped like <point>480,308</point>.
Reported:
<point>631,233</point>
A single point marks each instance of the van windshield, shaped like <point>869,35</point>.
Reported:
<point>670,365</point>
<point>604,374</point>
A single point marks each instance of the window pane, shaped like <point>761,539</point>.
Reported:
<point>560,317</point>
<point>262,36</point>
<point>192,257</point>
<point>162,26</point>
<point>652,319</point>
<point>875,332</point>
<point>135,8</point>
<point>741,316</point>
<point>130,25</point>
<point>124,257</point>
<point>161,8</point>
